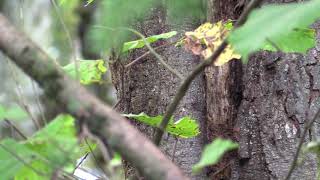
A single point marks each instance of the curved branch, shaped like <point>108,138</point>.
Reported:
<point>102,120</point>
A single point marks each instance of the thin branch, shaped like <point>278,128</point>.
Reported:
<point>38,102</point>
<point>147,53</point>
<point>20,98</point>
<point>174,149</point>
<point>32,82</point>
<point>186,83</point>
<point>16,129</point>
<point>101,119</point>
<point>117,104</point>
<point>158,56</point>
<point>65,29</point>
<point>152,51</point>
<point>81,161</point>
<point>94,156</point>
<point>296,155</point>
<point>220,170</point>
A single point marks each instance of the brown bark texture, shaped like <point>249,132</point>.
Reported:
<point>101,120</point>
<point>264,105</point>
<point>223,91</point>
<point>148,87</point>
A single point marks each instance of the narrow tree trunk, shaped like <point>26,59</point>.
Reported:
<point>148,87</point>
<point>224,91</point>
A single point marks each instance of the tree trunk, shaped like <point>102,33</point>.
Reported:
<point>280,93</point>
<point>224,92</point>
<point>263,104</point>
<point>148,87</point>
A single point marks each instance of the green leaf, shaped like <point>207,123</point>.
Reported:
<point>57,141</point>
<point>115,14</point>
<point>213,153</point>
<point>12,113</point>
<point>116,160</point>
<point>89,2</point>
<point>185,127</point>
<point>299,40</point>
<point>313,146</point>
<point>277,24</point>
<point>13,156</point>
<point>140,43</point>
<point>27,173</point>
<point>54,146</point>
<point>90,71</point>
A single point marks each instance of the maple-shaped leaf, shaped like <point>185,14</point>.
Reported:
<point>206,38</point>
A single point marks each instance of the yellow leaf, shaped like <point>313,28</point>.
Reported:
<point>206,38</point>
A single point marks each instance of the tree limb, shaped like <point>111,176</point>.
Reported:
<point>102,120</point>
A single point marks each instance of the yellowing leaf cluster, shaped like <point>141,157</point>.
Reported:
<point>205,40</point>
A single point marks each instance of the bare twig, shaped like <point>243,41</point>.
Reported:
<point>20,98</point>
<point>16,129</point>
<point>296,155</point>
<point>158,56</point>
<point>81,161</point>
<point>147,53</point>
<point>152,51</point>
<point>186,83</point>
<point>94,156</point>
<point>65,29</point>
<point>32,82</point>
<point>220,170</point>
<point>117,104</point>
<point>174,149</point>
<point>38,102</point>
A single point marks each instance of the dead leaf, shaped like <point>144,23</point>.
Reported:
<point>206,38</point>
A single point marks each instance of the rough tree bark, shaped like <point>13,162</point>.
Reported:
<point>148,87</point>
<point>223,91</point>
<point>280,92</point>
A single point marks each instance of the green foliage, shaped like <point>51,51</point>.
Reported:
<point>27,173</point>
<point>116,160</point>
<point>281,24</point>
<point>11,155</point>
<point>141,43</point>
<point>115,14</point>
<point>12,113</point>
<point>54,139</point>
<point>299,40</point>
<point>213,153</point>
<point>184,127</point>
<point>55,146</point>
<point>313,146</point>
<point>90,71</point>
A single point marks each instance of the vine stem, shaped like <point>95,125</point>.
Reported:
<point>199,68</point>
<point>16,129</point>
<point>304,134</point>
